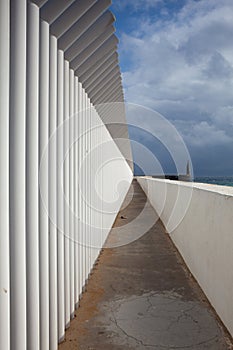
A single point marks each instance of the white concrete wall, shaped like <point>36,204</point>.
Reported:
<point>199,219</point>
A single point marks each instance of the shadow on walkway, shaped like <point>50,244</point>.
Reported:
<point>141,296</point>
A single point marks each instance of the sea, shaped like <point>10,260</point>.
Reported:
<point>218,180</point>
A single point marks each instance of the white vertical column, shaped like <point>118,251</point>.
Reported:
<point>96,201</point>
<point>32,176</point>
<point>94,133</point>
<point>43,216</point>
<point>60,198</point>
<point>99,214</point>
<point>97,194</point>
<point>71,191</point>
<point>82,208</point>
<point>80,231</point>
<point>17,173</point>
<point>101,140</point>
<point>4,175</point>
<point>52,194</point>
<point>85,190</point>
<point>84,186</point>
<point>66,193</point>
<point>86,195</point>
<point>99,238</point>
<point>76,245</point>
<point>88,185</point>
<point>94,197</point>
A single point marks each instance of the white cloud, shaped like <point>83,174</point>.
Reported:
<point>136,5</point>
<point>224,117</point>
<point>202,134</point>
<point>183,67</point>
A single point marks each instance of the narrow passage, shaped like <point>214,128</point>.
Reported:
<point>141,296</point>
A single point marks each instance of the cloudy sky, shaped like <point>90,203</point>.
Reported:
<point>176,57</point>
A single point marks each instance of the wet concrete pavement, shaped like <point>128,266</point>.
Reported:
<point>141,296</point>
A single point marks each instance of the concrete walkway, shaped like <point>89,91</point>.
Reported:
<point>141,296</point>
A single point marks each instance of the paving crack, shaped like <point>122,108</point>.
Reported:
<point>160,346</point>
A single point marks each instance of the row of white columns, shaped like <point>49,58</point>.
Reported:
<point>50,236</point>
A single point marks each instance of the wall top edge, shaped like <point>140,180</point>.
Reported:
<point>222,190</point>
